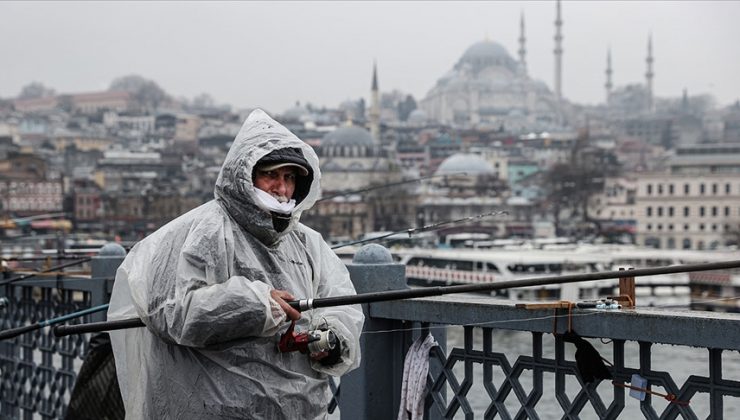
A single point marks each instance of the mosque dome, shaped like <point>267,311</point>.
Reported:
<point>484,54</point>
<point>485,50</point>
<point>348,136</point>
<point>465,162</point>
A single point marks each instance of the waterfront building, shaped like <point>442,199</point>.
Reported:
<point>694,203</point>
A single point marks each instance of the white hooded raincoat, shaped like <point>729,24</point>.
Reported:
<point>202,283</point>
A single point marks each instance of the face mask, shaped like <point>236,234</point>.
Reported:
<point>272,204</point>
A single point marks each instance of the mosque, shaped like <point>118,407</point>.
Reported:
<point>486,89</point>
<point>489,88</point>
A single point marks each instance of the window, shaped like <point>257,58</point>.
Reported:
<point>670,211</point>
<point>701,226</point>
<point>649,211</point>
<point>670,189</point>
<point>649,189</point>
<point>649,226</point>
<point>686,227</point>
<point>686,243</point>
<point>701,189</point>
<point>686,189</point>
<point>660,211</point>
<point>670,226</point>
<point>701,211</point>
<point>660,189</point>
<point>652,242</point>
<point>727,188</point>
<point>714,210</point>
<point>727,210</point>
<point>714,189</point>
<point>714,228</point>
<point>686,211</point>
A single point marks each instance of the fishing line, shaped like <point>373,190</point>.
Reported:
<point>426,228</point>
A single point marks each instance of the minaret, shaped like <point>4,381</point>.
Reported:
<point>522,46</point>
<point>375,107</point>
<point>608,84</point>
<point>558,53</point>
<point>649,73</point>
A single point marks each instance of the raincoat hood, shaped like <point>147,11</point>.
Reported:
<point>235,190</point>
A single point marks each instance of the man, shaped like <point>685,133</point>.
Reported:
<point>212,285</point>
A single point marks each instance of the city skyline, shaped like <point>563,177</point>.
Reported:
<point>271,55</point>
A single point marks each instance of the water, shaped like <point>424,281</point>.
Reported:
<point>679,361</point>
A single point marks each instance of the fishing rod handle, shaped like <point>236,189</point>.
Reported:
<point>64,330</point>
<point>15,332</point>
<point>301,305</point>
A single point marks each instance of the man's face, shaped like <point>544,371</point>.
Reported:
<point>280,182</point>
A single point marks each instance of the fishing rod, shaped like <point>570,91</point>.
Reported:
<point>49,257</point>
<point>307,304</point>
<point>392,184</point>
<point>15,332</point>
<point>48,270</point>
<point>426,228</point>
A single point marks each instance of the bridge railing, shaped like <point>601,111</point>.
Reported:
<point>493,360</point>
<point>37,369</point>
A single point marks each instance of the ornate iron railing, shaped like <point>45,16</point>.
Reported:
<point>474,373</point>
<point>37,369</point>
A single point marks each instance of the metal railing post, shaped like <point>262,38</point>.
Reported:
<point>372,391</point>
<point>103,271</point>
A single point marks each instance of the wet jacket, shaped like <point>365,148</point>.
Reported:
<point>202,284</point>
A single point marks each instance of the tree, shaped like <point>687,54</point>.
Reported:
<point>570,186</point>
<point>204,100</point>
<point>146,93</point>
<point>35,90</point>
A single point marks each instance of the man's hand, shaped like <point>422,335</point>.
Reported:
<point>281,297</point>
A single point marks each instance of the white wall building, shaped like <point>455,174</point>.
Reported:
<point>687,211</point>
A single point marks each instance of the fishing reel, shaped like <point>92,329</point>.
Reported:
<point>314,341</point>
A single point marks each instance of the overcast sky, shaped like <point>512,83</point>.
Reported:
<point>271,55</point>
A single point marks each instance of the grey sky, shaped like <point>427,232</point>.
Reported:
<point>272,54</point>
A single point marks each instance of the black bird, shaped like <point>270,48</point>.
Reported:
<point>589,362</point>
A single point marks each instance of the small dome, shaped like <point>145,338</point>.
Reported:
<point>296,113</point>
<point>465,162</point>
<point>418,117</point>
<point>348,136</point>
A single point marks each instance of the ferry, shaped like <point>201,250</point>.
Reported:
<point>701,290</point>
<point>427,267</point>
